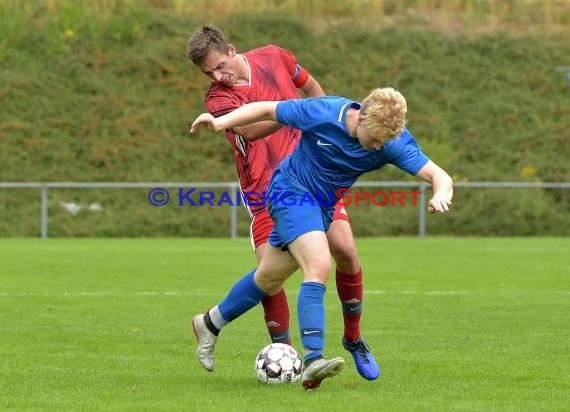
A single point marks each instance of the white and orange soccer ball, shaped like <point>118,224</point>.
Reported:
<point>278,363</point>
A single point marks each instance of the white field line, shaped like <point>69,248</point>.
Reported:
<point>366,292</point>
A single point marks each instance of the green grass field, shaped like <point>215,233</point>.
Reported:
<point>457,325</point>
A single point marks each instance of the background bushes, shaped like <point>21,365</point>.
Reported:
<point>103,91</point>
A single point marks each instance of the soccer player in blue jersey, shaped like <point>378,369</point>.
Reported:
<point>341,140</point>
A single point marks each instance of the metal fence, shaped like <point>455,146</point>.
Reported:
<point>234,186</point>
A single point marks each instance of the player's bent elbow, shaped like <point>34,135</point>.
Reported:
<point>245,133</point>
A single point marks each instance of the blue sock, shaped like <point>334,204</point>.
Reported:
<point>311,314</point>
<point>243,296</point>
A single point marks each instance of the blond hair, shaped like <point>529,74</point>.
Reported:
<point>204,40</point>
<point>384,112</point>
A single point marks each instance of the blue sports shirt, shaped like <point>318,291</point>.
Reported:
<point>327,158</point>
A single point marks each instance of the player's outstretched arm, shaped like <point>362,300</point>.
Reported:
<point>246,114</point>
<point>205,119</point>
<point>442,187</point>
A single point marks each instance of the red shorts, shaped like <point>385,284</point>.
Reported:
<point>340,211</point>
<point>262,224</point>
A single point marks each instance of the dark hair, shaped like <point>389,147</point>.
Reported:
<point>204,40</point>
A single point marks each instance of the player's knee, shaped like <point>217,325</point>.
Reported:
<point>269,286</point>
<point>317,270</point>
<point>346,258</point>
<point>344,252</point>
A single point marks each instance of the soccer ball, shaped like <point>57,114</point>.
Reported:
<point>278,363</point>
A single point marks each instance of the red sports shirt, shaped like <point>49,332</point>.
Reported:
<point>271,78</point>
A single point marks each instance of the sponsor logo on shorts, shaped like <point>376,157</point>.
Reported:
<point>321,143</point>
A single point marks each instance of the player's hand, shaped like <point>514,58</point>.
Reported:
<point>203,119</point>
<point>438,205</point>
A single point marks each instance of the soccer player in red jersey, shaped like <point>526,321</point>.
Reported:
<point>271,73</point>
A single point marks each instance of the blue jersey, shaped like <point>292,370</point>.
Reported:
<point>327,158</point>
<point>305,186</point>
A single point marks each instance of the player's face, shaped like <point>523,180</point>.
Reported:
<point>223,68</point>
<point>366,139</point>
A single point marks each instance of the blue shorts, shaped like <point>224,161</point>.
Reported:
<point>294,211</point>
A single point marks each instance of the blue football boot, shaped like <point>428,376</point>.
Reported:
<point>365,363</point>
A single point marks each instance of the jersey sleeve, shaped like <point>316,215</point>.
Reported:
<point>289,61</point>
<point>302,114</point>
<point>219,102</point>
<point>410,157</point>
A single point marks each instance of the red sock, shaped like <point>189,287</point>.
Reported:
<point>350,291</point>
<point>276,312</point>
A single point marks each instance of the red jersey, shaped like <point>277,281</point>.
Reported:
<point>270,79</point>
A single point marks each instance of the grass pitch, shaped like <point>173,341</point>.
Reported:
<point>456,325</point>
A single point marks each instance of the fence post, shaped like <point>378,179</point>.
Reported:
<point>422,211</point>
<point>233,212</point>
<point>566,70</point>
<point>44,212</point>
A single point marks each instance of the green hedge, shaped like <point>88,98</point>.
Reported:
<point>94,96</point>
